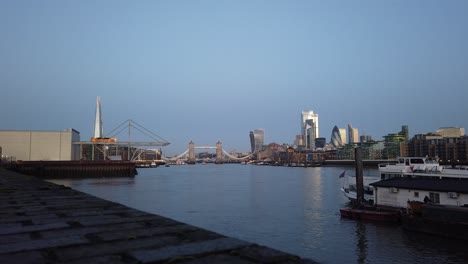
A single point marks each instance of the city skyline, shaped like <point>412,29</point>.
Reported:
<point>214,70</point>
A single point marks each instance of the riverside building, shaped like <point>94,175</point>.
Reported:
<point>40,145</point>
<point>396,144</point>
<point>446,144</point>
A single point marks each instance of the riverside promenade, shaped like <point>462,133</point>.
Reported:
<point>42,222</point>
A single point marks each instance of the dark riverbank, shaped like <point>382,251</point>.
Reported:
<point>42,222</point>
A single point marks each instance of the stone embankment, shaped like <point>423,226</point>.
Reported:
<point>41,222</point>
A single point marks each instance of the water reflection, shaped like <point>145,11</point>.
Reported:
<point>361,244</point>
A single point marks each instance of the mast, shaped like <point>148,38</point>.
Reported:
<point>359,176</point>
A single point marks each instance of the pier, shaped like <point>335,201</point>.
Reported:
<point>42,222</point>
<point>76,169</point>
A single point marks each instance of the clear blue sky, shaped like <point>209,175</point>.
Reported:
<point>209,70</point>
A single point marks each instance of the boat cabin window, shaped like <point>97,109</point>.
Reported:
<point>384,176</point>
<point>435,197</point>
<point>407,162</point>
<point>417,161</point>
<point>416,194</point>
<point>368,190</point>
<point>400,160</point>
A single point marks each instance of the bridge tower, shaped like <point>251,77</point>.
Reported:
<point>219,153</point>
<point>191,153</point>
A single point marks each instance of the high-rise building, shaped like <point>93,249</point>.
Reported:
<point>336,139</point>
<point>309,128</point>
<point>257,138</point>
<point>353,135</point>
<point>344,138</point>
<point>98,130</point>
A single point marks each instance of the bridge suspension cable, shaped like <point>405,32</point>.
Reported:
<point>235,158</point>
<point>176,157</point>
<point>224,152</point>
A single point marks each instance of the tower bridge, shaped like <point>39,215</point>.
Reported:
<point>221,154</point>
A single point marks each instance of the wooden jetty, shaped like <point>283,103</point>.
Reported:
<point>42,222</point>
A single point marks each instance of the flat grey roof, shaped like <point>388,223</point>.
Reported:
<point>443,185</point>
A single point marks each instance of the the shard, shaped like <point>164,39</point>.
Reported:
<point>98,131</point>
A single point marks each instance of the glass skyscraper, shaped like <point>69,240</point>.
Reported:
<point>309,128</point>
<point>257,138</point>
<point>337,137</point>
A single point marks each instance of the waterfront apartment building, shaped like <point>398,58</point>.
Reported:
<point>309,128</point>
<point>396,144</point>
<point>372,150</point>
<point>40,145</point>
<point>353,135</point>
<point>446,149</point>
<point>257,139</point>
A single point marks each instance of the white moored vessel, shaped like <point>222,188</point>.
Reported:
<point>349,187</point>
<point>414,167</point>
<point>419,177</point>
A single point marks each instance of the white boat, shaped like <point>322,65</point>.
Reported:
<point>407,168</point>
<point>349,188</point>
<point>415,167</point>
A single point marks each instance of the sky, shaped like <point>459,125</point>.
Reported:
<point>215,70</point>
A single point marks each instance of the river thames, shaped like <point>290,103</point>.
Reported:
<point>291,209</point>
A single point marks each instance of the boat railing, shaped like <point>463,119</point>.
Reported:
<point>384,165</point>
<point>434,169</point>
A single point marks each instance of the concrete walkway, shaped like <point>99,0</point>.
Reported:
<point>41,222</point>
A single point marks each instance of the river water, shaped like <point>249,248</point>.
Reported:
<point>291,209</point>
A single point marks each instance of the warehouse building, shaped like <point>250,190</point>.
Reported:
<point>40,145</point>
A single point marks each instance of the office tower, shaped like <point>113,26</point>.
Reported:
<point>98,130</point>
<point>344,138</point>
<point>257,137</point>
<point>336,138</point>
<point>353,135</point>
<point>309,128</point>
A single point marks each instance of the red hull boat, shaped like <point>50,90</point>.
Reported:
<point>374,215</point>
